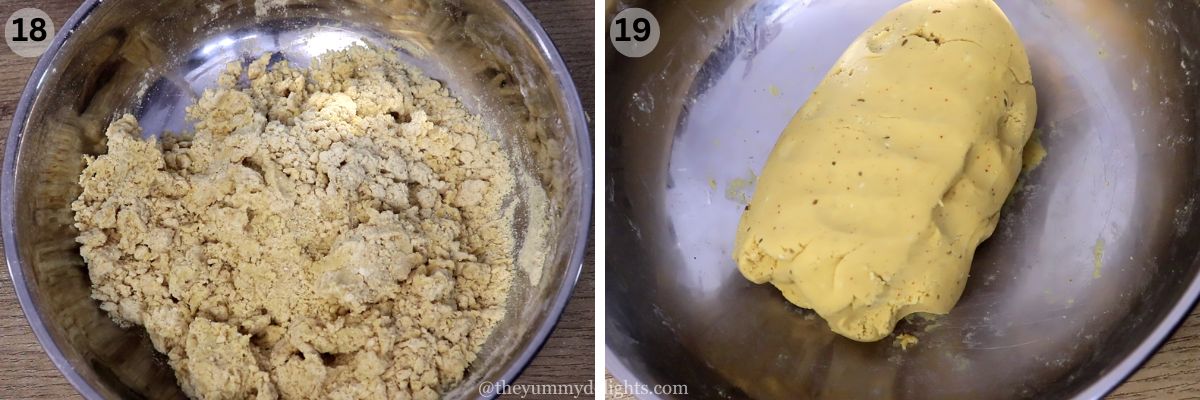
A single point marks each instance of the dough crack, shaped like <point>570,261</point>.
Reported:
<point>1017,79</point>
<point>838,259</point>
<point>936,39</point>
<point>790,254</point>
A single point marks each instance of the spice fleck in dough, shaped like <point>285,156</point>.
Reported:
<point>335,232</point>
<point>877,193</point>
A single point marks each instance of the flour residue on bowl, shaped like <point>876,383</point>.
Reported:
<point>531,258</point>
<point>1183,217</point>
<point>737,190</point>
<point>265,7</point>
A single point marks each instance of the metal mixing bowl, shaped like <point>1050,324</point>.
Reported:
<point>1118,94</point>
<point>153,58</point>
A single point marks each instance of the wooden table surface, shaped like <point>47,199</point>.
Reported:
<point>567,358</point>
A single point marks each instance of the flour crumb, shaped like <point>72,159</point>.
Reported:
<point>904,341</point>
<point>264,7</point>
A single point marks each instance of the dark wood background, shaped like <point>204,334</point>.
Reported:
<point>567,358</point>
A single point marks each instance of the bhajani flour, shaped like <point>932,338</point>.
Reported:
<point>336,232</point>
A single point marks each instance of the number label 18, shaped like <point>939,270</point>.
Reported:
<point>29,32</point>
<point>37,31</point>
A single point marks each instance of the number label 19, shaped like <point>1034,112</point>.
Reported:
<point>634,32</point>
<point>641,29</point>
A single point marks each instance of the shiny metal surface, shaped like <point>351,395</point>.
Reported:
<point>152,58</point>
<point>1040,318</point>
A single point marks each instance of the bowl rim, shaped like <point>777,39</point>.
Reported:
<point>529,25</point>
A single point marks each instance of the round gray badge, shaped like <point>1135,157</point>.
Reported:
<point>633,32</point>
<point>29,32</point>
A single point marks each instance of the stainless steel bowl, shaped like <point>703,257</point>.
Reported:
<point>1118,89</point>
<point>153,58</point>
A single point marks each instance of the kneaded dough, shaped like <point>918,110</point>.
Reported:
<point>878,191</point>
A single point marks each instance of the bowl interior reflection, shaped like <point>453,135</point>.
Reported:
<point>1092,265</point>
<point>153,59</point>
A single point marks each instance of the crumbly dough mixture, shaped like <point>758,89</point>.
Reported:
<point>877,193</point>
<point>335,232</point>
